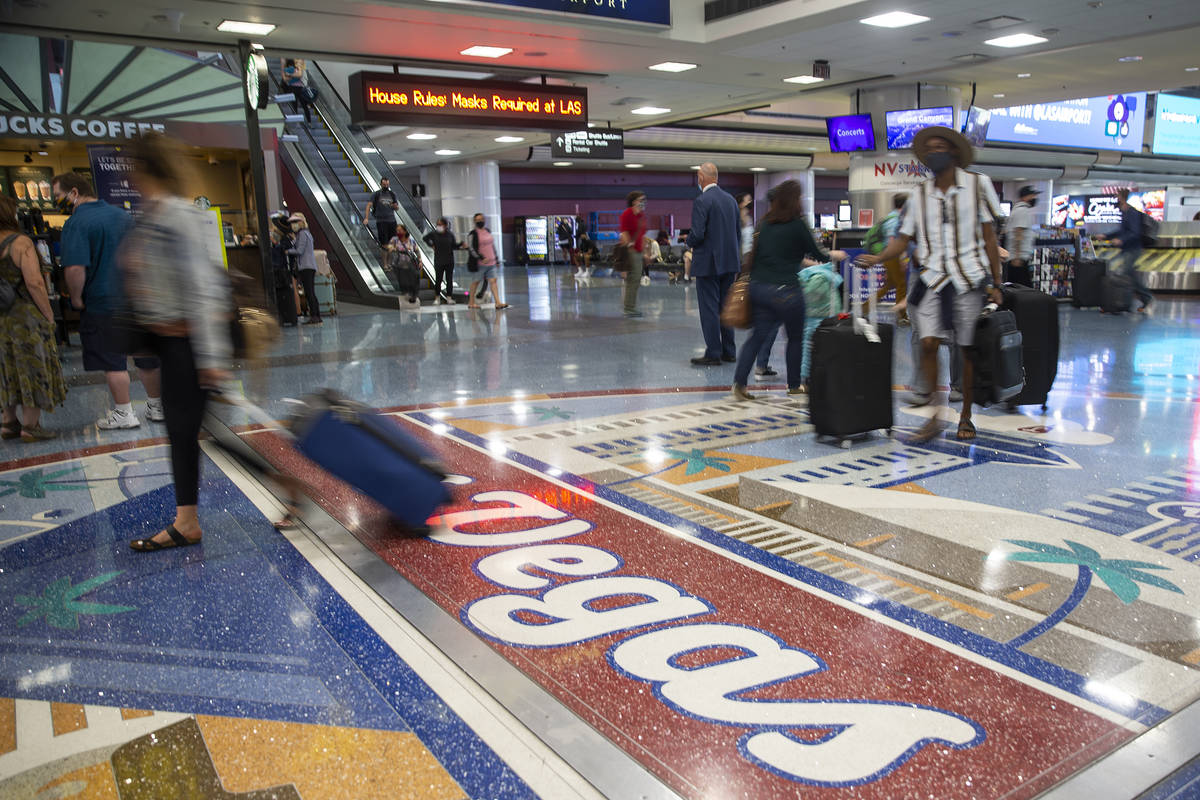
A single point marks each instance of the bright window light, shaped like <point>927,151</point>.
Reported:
<point>447,152</point>
<point>803,79</point>
<point>1016,40</point>
<point>510,139</point>
<point>894,19</point>
<point>421,136</point>
<point>649,110</point>
<point>483,51</point>
<point>248,28</point>
<point>563,163</point>
<point>672,66</point>
<point>634,166</point>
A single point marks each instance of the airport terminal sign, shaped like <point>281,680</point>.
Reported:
<point>90,129</point>
<point>656,12</point>
<point>1112,122</point>
<point>384,98</point>
<point>608,143</point>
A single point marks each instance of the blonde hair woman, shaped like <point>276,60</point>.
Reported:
<point>302,248</point>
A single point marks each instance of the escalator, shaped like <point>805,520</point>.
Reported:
<point>336,167</point>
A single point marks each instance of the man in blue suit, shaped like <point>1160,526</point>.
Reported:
<point>716,261</point>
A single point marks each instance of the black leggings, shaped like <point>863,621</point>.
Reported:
<point>443,271</point>
<point>308,278</point>
<point>183,407</point>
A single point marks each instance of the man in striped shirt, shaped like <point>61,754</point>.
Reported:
<point>951,217</point>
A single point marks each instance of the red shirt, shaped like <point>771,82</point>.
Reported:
<point>634,224</point>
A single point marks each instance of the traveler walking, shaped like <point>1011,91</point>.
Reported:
<point>1129,237</point>
<point>30,372</point>
<point>302,248</point>
<point>381,208</point>
<point>955,271</point>
<point>633,238</point>
<point>405,260</point>
<point>762,369</point>
<point>714,263</point>
<point>1020,237</point>
<point>481,245</point>
<point>90,241</point>
<point>179,296</point>
<point>444,244</point>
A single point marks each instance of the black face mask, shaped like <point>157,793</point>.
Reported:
<point>479,223</point>
<point>65,206</point>
<point>939,162</point>
<point>1031,202</point>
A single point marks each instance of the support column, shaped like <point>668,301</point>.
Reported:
<point>258,181</point>
<point>473,187</point>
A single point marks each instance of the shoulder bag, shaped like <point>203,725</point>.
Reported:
<point>8,291</point>
<point>472,252</point>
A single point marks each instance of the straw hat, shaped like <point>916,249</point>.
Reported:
<point>963,150</point>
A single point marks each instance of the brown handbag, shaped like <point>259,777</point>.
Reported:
<point>621,256</point>
<point>736,311</point>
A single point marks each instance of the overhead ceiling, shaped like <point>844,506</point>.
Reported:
<point>742,59</point>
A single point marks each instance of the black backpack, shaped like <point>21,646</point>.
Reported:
<point>1149,230</point>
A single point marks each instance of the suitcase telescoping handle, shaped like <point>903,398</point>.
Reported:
<point>868,327</point>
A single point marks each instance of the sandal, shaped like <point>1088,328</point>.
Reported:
<point>10,430</point>
<point>929,431</point>
<point>472,305</point>
<point>966,430</point>
<point>177,540</point>
<point>502,305</point>
<point>35,433</point>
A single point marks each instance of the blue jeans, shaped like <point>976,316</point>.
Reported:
<point>774,306</point>
<point>764,355</point>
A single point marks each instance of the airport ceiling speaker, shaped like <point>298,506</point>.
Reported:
<point>258,91</point>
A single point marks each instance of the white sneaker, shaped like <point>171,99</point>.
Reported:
<point>116,420</point>
<point>154,411</point>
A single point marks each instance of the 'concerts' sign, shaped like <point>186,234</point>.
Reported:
<point>388,99</point>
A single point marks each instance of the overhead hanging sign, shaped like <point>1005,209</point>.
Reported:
<point>1113,122</point>
<point>655,12</point>
<point>607,143</point>
<point>388,99</point>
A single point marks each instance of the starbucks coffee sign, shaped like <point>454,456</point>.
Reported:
<point>87,129</point>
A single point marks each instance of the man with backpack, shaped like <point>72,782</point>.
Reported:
<point>1136,231</point>
<point>880,236</point>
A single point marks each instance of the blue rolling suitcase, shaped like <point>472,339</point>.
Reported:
<point>372,453</point>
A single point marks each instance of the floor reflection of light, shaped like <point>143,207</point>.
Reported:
<point>497,448</point>
<point>654,457</point>
<point>439,413</point>
<point>1111,695</point>
<point>441,429</point>
<point>59,673</point>
<point>554,472</point>
<point>520,409</point>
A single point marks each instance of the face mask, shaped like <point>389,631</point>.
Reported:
<point>478,223</point>
<point>1031,202</point>
<point>65,206</point>
<point>441,228</point>
<point>939,162</point>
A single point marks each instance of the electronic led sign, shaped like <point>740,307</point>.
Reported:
<point>388,99</point>
<point>1177,125</point>
<point>849,133</point>
<point>902,126</point>
<point>1113,122</point>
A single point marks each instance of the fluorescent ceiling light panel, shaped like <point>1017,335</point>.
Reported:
<point>758,169</point>
<point>248,28</point>
<point>484,51</point>
<point>509,139</point>
<point>649,110</point>
<point>1016,40</point>
<point>672,66</point>
<point>563,163</point>
<point>397,162</point>
<point>634,166</point>
<point>370,150</point>
<point>803,79</point>
<point>447,152</point>
<point>894,19</point>
<point>421,136</point>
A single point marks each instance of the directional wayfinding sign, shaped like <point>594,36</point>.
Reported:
<point>594,143</point>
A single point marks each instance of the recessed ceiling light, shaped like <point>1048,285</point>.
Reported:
<point>248,28</point>
<point>1191,69</point>
<point>370,150</point>
<point>695,167</point>
<point>591,124</point>
<point>509,139</point>
<point>634,166</point>
<point>1016,40</point>
<point>758,169</point>
<point>649,110</point>
<point>484,51</point>
<point>563,163</point>
<point>421,136</point>
<point>397,162</point>
<point>1024,74</point>
<point>894,19</point>
<point>447,152</point>
<point>1127,59</point>
<point>803,79</point>
<point>1001,94</point>
<point>672,66</point>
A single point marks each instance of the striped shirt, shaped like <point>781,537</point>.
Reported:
<point>948,230</point>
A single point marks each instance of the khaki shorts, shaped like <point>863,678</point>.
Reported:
<point>927,316</point>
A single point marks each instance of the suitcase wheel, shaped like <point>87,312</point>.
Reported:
<point>844,444</point>
<point>889,433</point>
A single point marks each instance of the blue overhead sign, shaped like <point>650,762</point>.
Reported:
<point>656,12</point>
<point>1115,122</point>
<point>1177,126</point>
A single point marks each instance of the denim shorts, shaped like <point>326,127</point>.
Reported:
<point>486,273</point>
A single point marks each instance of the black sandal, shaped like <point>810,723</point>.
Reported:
<point>177,540</point>
<point>10,430</point>
<point>966,430</point>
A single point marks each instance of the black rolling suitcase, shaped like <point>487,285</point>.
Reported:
<point>1036,314</point>
<point>285,300</point>
<point>999,374</point>
<point>1086,285</point>
<point>850,383</point>
<point>1116,293</point>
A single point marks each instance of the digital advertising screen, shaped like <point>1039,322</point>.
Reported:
<point>1113,122</point>
<point>975,128</point>
<point>1103,210</point>
<point>902,126</point>
<point>850,133</point>
<point>1177,126</point>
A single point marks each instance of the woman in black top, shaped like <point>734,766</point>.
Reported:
<point>444,244</point>
<point>782,242</point>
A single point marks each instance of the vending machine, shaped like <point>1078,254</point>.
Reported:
<point>537,240</point>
